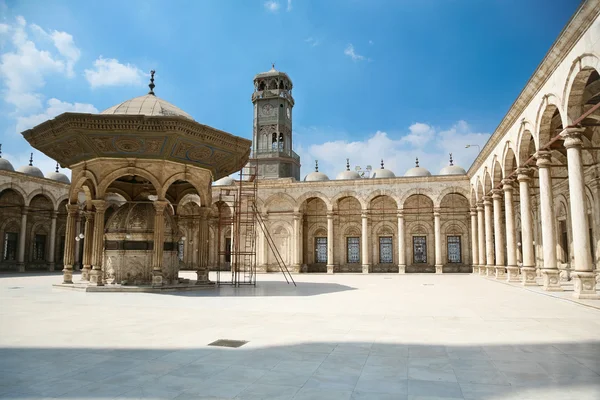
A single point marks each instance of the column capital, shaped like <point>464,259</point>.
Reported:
<point>487,200</point>
<point>480,206</point>
<point>99,205</point>
<point>204,212</point>
<point>473,211</point>
<point>72,208</point>
<point>524,174</point>
<point>24,210</point>
<point>543,159</point>
<point>89,215</point>
<point>159,206</point>
<point>330,214</point>
<point>54,215</point>
<point>364,214</point>
<point>437,211</point>
<point>497,194</point>
<point>572,137</point>
<point>400,213</point>
<point>297,216</point>
<point>507,184</point>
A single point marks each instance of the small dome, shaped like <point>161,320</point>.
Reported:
<point>5,165</point>
<point>417,171</point>
<point>347,174</point>
<point>226,181</point>
<point>31,170</point>
<point>452,169</point>
<point>316,176</point>
<point>147,105</point>
<point>57,176</point>
<point>383,173</point>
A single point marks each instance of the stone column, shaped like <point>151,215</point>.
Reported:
<point>481,237</point>
<point>366,265</point>
<point>583,276</point>
<point>159,239</point>
<point>52,243</point>
<point>489,242</point>
<point>550,271</point>
<point>297,242</point>
<point>438,241</point>
<point>203,245</point>
<point>330,261</point>
<point>401,244</point>
<point>77,264</point>
<point>69,258</point>
<point>498,234</point>
<point>511,238</point>
<point>22,240</point>
<point>474,249</point>
<point>96,278</point>
<point>88,245</point>
<point>528,269</point>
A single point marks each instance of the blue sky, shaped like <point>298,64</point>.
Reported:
<point>373,79</point>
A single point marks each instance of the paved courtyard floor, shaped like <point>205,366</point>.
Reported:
<point>331,337</point>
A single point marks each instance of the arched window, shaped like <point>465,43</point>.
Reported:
<point>274,142</point>
<point>281,142</point>
<point>261,86</point>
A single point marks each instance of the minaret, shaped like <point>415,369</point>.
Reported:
<point>272,131</point>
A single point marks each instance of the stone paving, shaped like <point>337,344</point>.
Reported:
<point>332,337</point>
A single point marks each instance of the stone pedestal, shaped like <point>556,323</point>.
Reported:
<point>157,278</point>
<point>482,270</point>
<point>490,270</point>
<point>512,274</point>
<point>585,285</point>
<point>551,280</point>
<point>401,269</point>
<point>528,276</point>
<point>439,269</point>
<point>500,272</point>
<point>366,269</point>
<point>330,269</point>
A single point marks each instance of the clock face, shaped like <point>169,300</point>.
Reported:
<point>267,109</point>
<point>288,113</point>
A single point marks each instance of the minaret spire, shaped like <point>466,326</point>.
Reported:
<point>152,85</point>
<point>0,150</point>
<point>31,160</point>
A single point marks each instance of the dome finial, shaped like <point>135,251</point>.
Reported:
<point>382,163</point>
<point>316,165</point>
<point>57,167</point>
<point>417,162</point>
<point>0,150</point>
<point>152,85</point>
<point>273,66</point>
<point>31,160</point>
<point>347,164</point>
<point>451,162</point>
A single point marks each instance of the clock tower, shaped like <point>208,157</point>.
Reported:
<point>272,152</point>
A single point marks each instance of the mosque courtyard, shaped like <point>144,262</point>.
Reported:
<point>331,337</point>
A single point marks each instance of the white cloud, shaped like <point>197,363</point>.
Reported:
<point>349,51</point>
<point>430,144</point>
<point>312,41</point>
<point>110,72</point>
<point>65,45</point>
<point>55,107</point>
<point>271,5</point>
<point>289,5</point>
<point>40,160</point>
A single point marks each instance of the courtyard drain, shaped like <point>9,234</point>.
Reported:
<point>228,343</point>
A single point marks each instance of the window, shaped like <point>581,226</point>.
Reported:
<point>386,252</point>
<point>10,246</point>
<point>353,250</point>
<point>419,249</point>
<point>564,238</point>
<point>321,250</point>
<point>227,249</point>
<point>454,249</point>
<point>39,248</point>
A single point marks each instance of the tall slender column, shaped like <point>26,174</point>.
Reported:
<point>365,242</point>
<point>88,245</point>
<point>203,245</point>
<point>77,264</point>
<point>511,239</point>
<point>330,262</point>
<point>528,269</point>
<point>438,241</point>
<point>584,277</point>
<point>474,249</point>
<point>22,239</point>
<point>401,244</point>
<point>297,242</point>
<point>96,278</point>
<point>498,234</point>
<point>51,261</point>
<point>489,242</point>
<point>550,271</point>
<point>69,257</point>
<point>481,237</point>
<point>159,238</point>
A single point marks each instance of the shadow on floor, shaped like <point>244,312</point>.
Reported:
<point>315,370</point>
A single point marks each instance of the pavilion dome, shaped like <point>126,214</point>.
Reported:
<point>383,173</point>
<point>347,174</point>
<point>452,169</point>
<point>5,165</point>
<point>417,171</point>
<point>30,169</point>
<point>58,176</point>
<point>225,181</point>
<point>316,176</point>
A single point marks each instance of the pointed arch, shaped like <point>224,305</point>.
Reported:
<point>425,192</point>
<point>300,200</point>
<point>548,118</point>
<point>581,70</point>
<point>349,193</point>
<point>451,190</point>
<point>383,192</point>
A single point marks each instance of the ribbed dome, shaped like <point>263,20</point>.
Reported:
<point>57,176</point>
<point>316,176</point>
<point>383,173</point>
<point>226,181</point>
<point>147,105</point>
<point>452,169</point>
<point>5,165</point>
<point>31,171</point>
<point>417,171</point>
